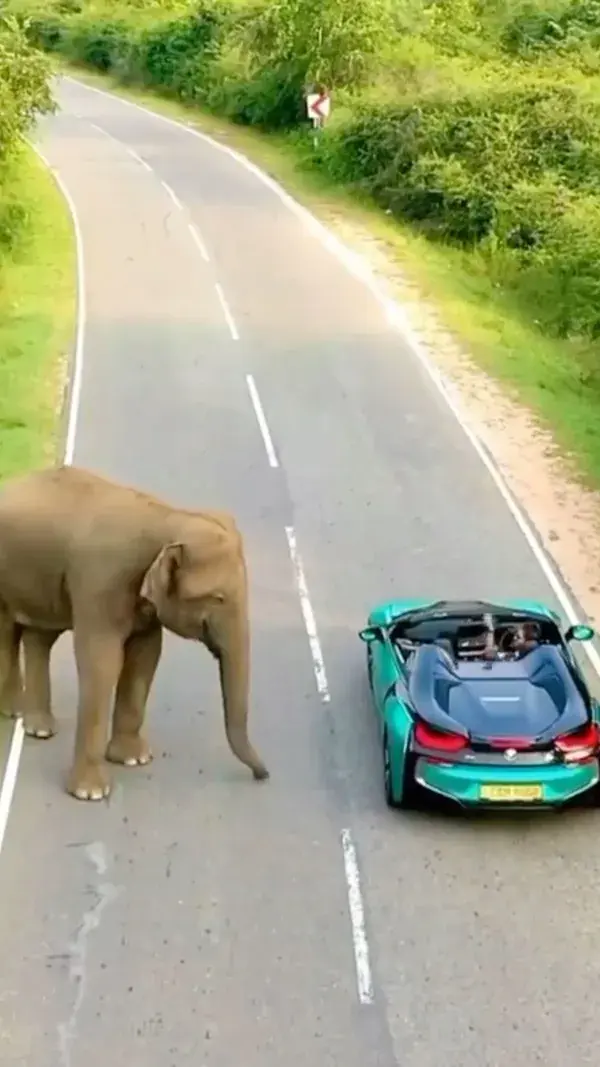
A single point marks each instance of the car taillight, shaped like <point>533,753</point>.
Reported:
<point>438,740</point>
<point>579,745</point>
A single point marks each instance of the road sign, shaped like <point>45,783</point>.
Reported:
<point>317,107</point>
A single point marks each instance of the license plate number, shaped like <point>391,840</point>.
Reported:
<point>511,792</point>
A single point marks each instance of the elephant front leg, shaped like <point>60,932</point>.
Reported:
<point>38,719</point>
<point>142,654</point>
<point>99,657</point>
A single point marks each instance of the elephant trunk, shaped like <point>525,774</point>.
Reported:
<point>234,670</point>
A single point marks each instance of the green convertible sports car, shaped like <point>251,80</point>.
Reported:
<point>482,703</point>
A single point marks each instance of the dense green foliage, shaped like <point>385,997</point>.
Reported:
<point>24,93</point>
<point>36,262</point>
<point>478,123</point>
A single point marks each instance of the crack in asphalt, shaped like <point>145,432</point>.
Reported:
<point>103,893</point>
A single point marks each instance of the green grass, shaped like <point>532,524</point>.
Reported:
<point>37,318</point>
<point>486,321</point>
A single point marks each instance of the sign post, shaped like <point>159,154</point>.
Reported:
<point>318,105</point>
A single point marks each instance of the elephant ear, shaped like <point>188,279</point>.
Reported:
<point>160,578</point>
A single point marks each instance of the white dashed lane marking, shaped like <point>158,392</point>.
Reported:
<point>262,421</point>
<point>227,313</point>
<point>309,617</point>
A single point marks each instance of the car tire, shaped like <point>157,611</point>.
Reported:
<point>370,666</point>
<point>592,798</point>
<point>409,797</point>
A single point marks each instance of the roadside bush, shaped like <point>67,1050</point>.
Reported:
<point>47,32</point>
<point>451,164</point>
<point>533,31</point>
<point>24,85</point>
<point>562,279</point>
<point>272,100</point>
<point>527,216</point>
<point>24,94</point>
<point>97,42</point>
<point>174,54</point>
<point>337,43</point>
<point>295,43</point>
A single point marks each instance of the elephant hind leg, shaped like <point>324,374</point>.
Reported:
<point>11,682</point>
<point>142,655</point>
<point>38,719</point>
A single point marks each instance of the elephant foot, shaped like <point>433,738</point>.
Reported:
<point>89,781</point>
<point>39,724</point>
<point>10,709</point>
<point>129,749</point>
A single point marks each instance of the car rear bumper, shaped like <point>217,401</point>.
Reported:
<point>467,785</point>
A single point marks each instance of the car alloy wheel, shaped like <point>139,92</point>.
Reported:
<point>410,790</point>
<point>387,775</point>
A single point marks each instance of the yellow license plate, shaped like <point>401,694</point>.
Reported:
<point>511,792</point>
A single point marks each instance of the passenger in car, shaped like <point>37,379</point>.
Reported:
<point>526,638</point>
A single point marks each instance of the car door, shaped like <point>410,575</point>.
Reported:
<point>385,673</point>
<point>391,701</point>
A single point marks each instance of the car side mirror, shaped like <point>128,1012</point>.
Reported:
<point>371,633</point>
<point>580,632</point>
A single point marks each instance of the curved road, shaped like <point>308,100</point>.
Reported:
<point>199,917</point>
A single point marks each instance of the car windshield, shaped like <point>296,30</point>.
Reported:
<point>473,635</point>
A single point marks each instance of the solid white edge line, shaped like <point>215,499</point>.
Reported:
<point>364,978</point>
<point>227,313</point>
<point>262,421</point>
<point>172,194</point>
<point>309,617</point>
<point>9,779</point>
<point>11,771</point>
<point>359,267</point>
<point>197,238</point>
<point>76,378</point>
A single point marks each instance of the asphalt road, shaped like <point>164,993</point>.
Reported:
<point>199,917</point>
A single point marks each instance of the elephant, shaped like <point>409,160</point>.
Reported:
<point>115,566</point>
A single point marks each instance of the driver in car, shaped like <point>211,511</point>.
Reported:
<point>525,639</point>
<point>515,642</point>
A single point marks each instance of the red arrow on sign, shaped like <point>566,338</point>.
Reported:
<point>315,107</point>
